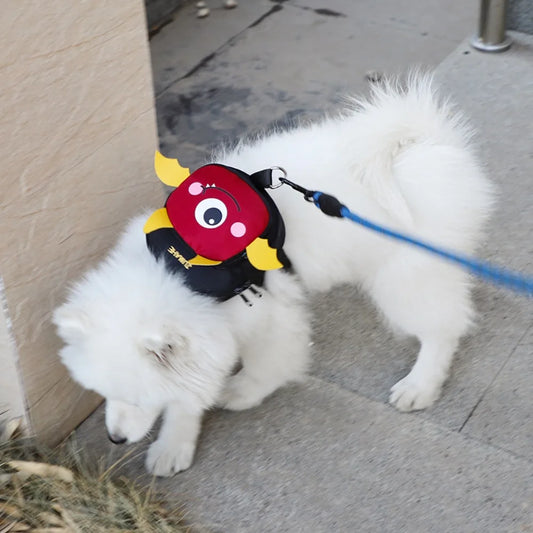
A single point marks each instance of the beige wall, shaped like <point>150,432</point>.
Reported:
<point>78,135</point>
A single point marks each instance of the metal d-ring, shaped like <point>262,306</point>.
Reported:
<point>280,182</point>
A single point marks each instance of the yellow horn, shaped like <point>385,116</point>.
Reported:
<point>169,171</point>
<point>262,256</point>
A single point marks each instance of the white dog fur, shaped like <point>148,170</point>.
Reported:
<point>140,338</point>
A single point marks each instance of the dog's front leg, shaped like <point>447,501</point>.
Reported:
<point>277,352</point>
<point>174,448</point>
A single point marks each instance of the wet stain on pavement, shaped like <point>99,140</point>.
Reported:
<point>200,116</point>
<point>328,12</point>
<point>205,116</point>
<point>290,120</point>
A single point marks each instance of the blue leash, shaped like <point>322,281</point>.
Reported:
<point>331,206</point>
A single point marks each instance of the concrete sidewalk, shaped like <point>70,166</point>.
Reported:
<point>331,454</point>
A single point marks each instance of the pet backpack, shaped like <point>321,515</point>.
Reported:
<point>219,228</point>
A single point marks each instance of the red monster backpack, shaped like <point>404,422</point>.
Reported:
<point>219,228</point>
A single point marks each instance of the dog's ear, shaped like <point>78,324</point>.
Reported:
<point>71,323</point>
<point>164,347</point>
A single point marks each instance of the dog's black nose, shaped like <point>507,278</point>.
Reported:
<point>116,439</point>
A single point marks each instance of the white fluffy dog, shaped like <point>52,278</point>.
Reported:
<point>139,337</point>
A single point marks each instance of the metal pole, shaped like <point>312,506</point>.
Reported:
<point>491,35</point>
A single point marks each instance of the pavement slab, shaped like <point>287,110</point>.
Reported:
<point>503,416</point>
<point>355,349</point>
<point>187,42</point>
<point>280,62</point>
<point>496,92</point>
<point>318,458</point>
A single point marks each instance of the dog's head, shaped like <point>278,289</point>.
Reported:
<point>143,341</point>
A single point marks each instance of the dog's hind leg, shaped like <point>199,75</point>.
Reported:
<point>276,353</point>
<point>422,386</point>
<point>431,301</point>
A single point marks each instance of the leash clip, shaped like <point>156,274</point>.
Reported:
<point>308,195</point>
<point>279,178</point>
<point>282,180</point>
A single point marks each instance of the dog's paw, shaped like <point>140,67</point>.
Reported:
<point>411,394</point>
<point>167,458</point>
<point>240,392</point>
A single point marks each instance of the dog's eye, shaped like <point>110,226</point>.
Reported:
<point>211,213</point>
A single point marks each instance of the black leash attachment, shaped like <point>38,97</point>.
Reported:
<point>329,205</point>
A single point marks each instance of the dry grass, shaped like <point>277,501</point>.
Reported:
<point>57,491</point>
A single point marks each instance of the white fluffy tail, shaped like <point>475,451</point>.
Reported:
<point>390,121</point>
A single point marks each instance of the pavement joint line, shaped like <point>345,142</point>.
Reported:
<point>208,58</point>
<point>345,389</point>
<point>512,453</point>
<point>420,418</point>
<point>274,9</point>
<point>489,385</point>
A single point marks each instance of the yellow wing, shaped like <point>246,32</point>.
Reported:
<point>262,256</point>
<point>158,219</point>
<point>169,171</point>
<point>203,261</point>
